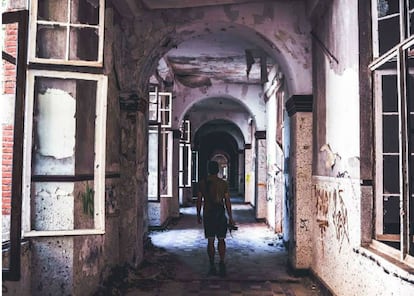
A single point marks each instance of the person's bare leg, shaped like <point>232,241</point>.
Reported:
<point>222,254</point>
<point>222,249</point>
<point>211,251</point>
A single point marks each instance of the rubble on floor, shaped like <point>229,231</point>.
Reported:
<point>157,266</point>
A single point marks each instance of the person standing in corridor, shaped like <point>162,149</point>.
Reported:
<point>213,198</point>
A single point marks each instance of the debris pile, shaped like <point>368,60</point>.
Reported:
<point>157,266</point>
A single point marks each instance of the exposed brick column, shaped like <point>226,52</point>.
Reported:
<point>7,161</point>
<point>9,85</point>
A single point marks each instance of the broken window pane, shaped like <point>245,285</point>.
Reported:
<point>51,42</point>
<point>54,126</point>
<point>84,44</point>
<point>52,10</point>
<point>68,30</point>
<point>85,12</point>
<point>63,154</point>
<point>64,126</point>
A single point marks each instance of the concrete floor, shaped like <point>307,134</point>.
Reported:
<point>177,262</point>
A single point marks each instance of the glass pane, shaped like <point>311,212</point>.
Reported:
<point>85,12</point>
<point>387,7</point>
<point>84,44</point>
<point>7,133</point>
<point>389,93</point>
<point>390,134</point>
<point>54,126</point>
<point>391,174</point>
<point>46,40</point>
<point>387,40</point>
<point>391,214</point>
<point>52,10</point>
<point>153,163</point>
<point>153,116</point>
<point>164,190</point>
<point>64,122</point>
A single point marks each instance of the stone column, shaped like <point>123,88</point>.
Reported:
<point>240,176</point>
<point>261,175</point>
<point>299,109</point>
<point>175,203</point>
<point>249,179</point>
<point>134,177</point>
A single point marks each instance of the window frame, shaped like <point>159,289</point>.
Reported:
<point>99,162</point>
<point>155,128</point>
<point>12,273</point>
<point>33,22</point>
<point>167,151</point>
<point>160,110</point>
<point>399,54</point>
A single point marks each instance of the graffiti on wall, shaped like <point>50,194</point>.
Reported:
<point>340,218</point>
<point>331,197</point>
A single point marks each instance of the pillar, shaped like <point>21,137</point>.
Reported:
<point>249,179</point>
<point>240,176</point>
<point>134,177</point>
<point>175,203</point>
<point>261,175</point>
<point>299,109</point>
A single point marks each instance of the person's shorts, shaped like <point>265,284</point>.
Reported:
<point>215,224</point>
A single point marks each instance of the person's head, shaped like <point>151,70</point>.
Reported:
<point>213,167</point>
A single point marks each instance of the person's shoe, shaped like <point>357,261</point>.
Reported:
<point>222,267</point>
<point>212,270</point>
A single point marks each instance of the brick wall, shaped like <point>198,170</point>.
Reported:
<point>7,159</point>
<point>10,46</point>
<point>9,84</point>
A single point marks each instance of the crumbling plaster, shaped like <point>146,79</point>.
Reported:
<point>339,202</point>
<point>150,34</point>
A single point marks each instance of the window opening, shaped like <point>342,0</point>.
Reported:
<point>160,144</point>
<point>64,176</point>
<point>67,32</point>
<point>185,155</point>
<point>153,162</point>
<point>393,77</point>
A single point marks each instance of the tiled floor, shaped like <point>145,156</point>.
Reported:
<point>256,261</point>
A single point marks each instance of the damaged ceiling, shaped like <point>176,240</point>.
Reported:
<point>218,57</point>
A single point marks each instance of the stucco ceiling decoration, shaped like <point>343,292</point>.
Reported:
<point>164,4</point>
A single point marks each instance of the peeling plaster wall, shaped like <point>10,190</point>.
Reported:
<point>283,23</point>
<point>338,257</point>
